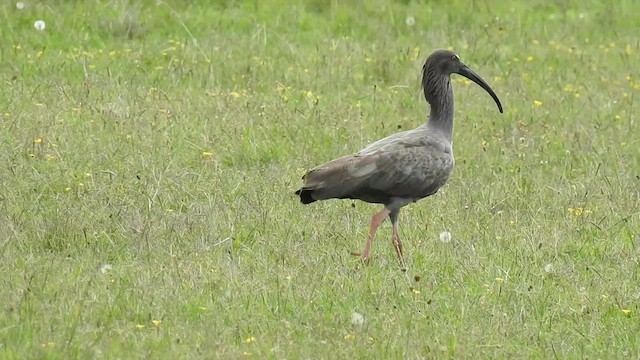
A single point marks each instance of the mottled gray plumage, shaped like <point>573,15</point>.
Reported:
<point>405,166</point>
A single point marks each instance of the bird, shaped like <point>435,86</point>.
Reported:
<point>404,167</point>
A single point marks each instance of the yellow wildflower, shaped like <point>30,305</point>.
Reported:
<point>309,95</point>
<point>248,340</point>
<point>156,323</point>
<point>579,211</point>
<point>537,103</point>
<point>140,326</point>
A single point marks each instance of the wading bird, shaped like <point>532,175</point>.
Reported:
<point>404,167</point>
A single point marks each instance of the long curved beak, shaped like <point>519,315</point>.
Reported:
<point>471,75</point>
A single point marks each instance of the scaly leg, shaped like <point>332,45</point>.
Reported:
<point>376,220</point>
<point>395,237</point>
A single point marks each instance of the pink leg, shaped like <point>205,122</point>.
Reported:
<point>395,239</point>
<point>376,220</point>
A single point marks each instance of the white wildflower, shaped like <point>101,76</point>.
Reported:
<point>548,268</point>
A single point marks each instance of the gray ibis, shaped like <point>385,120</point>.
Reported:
<point>404,167</point>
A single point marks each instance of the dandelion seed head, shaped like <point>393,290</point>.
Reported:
<point>357,318</point>
<point>39,25</point>
<point>19,5</point>
<point>445,236</point>
<point>106,267</point>
<point>548,268</point>
<point>410,21</point>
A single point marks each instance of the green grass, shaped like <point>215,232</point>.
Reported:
<point>166,140</point>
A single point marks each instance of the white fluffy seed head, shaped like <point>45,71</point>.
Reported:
<point>410,21</point>
<point>357,319</point>
<point>39,25</point>
<point>106,268</point>
<point>445,236</point>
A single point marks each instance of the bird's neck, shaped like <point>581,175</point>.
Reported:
<point>440,98</point>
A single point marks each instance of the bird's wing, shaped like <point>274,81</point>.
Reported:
<point>413,172</point>
<point>402,140</point>
<point>398,168</point>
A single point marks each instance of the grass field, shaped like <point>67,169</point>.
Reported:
<point>149,152</point>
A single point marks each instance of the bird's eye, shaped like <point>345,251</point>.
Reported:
<point>455,57</point>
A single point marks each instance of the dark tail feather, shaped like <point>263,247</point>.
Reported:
<point>305,196</point>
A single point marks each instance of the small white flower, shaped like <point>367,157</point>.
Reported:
<point>357,319</point>
<point>39,25</point>
<point>105,268</point>
<point>410,21</point>
<point>548,268</point>
<point>445,236</point>
<point>20,5</point>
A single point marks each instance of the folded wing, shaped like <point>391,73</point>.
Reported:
<point>380,172</point>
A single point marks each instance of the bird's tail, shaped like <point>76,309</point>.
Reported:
<point>305,196</point>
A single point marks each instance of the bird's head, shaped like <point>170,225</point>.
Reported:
<point>442,63</point>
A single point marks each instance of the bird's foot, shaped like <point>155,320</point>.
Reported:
<point>403,266</point>
<point>365,259</point>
